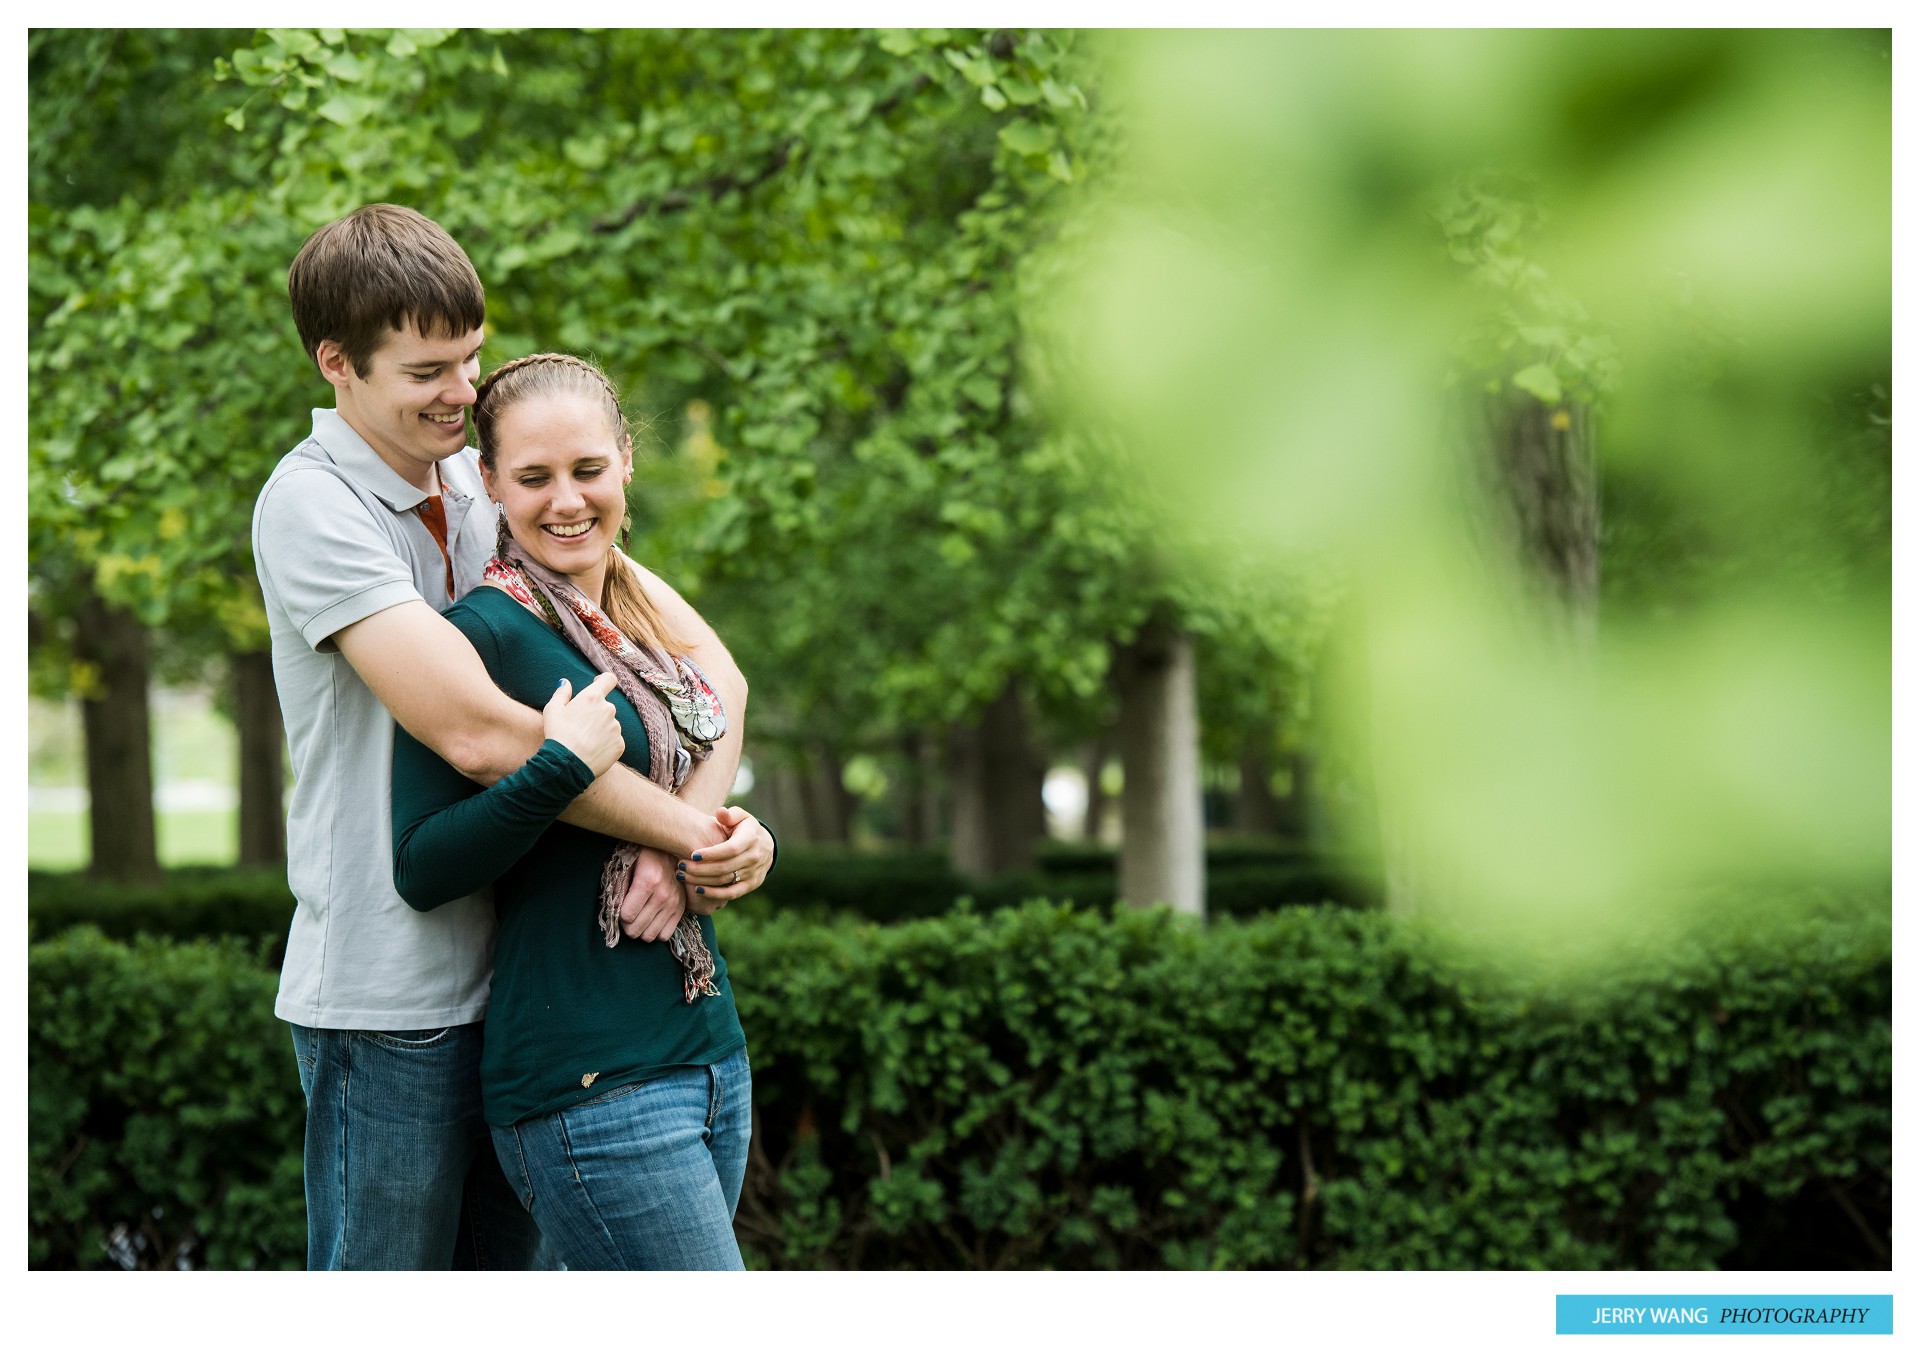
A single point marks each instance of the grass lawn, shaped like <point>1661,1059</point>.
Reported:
<point>59,839</point>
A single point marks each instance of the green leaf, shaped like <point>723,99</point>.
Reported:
<point>1018,90</point>
<point>1540,381</point>
<point>992,97</point>
<point>463,121</point>
<point>237,119</point>
<point>897,41</point>
<point>1027,138</point>
<point>587,153</point>
<point>983,390</point>
<point>977,68</point>
<point>294,41</point>
<point>344,66</point>
<point>345,109</point>
<point>400,46</point>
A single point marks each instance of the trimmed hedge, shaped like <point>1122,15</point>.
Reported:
<point>1051,1087</point>
<point>255,904</point>
<point>252,904</point>
<point>164,1114</point>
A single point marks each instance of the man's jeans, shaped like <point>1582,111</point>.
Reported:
<point>643,1178</point>
<point>401,1174</point>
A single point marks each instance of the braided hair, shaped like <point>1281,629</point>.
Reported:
<point>560,374</point>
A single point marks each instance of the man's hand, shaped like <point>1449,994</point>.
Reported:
<point>728,870</point>
<point>655,899</point>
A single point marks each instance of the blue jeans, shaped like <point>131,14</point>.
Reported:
<point>645,1177</point>
<point>399,1175</point>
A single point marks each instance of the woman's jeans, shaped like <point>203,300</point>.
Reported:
<point>399,1175</point>
<point>644,1178</point>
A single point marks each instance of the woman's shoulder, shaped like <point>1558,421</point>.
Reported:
<point>489,602</point>
<point>487,616</point>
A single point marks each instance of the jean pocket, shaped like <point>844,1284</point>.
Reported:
<point>423,1040</point>
<point>610,1095</point>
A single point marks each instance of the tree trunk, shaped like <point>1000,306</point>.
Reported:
<point>1093,764</point>
<point>786,801</point>
<point>1293,814</point>
<point>919,791</point>
<point>118,728</point>
<point>998,811</point>
<point>1255,811</point>
<point>263,822</point>
<point>1162,844</point>
<point>1545,500</point>
<point>828,803</point>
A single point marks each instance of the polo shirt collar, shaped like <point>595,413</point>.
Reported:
<point>348,449</point>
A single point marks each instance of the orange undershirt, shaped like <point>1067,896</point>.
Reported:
<point>434,512</point>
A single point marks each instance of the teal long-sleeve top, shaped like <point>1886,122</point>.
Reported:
<point>569,1018</point>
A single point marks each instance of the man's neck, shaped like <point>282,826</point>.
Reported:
<point>427,481</point>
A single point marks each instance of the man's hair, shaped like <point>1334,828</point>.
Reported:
<point>380,269</point>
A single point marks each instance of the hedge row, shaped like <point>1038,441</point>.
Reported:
<point>1050,1087</point>
<point>255,904</point>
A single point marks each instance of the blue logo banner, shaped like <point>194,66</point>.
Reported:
<point>1718,1315</point>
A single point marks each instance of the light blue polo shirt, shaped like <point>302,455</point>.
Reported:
<point>336,538</point>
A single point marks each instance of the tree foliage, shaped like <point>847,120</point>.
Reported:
<point>821,237</point>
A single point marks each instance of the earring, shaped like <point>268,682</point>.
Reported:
<point>502,536</point>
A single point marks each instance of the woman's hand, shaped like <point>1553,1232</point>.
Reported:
<point>585,723</point>
<point>655,899</point>
<point>728,870</point>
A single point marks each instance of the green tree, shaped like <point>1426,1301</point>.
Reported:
<point>145,440</point>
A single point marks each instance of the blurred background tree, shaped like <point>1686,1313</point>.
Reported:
<point>1534,331</point>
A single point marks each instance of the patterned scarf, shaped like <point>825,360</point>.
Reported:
<point>680,710</point>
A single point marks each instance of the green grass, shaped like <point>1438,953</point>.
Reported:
<point>58,840</point>
<point>191,740</point>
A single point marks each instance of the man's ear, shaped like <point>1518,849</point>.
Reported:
<point>333,364</point>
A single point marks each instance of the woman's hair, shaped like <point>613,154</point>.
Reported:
<point>371,273</point>
<point>543,375</point>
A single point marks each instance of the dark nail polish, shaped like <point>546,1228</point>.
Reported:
<point>696,858</point>
<point>700,891</point>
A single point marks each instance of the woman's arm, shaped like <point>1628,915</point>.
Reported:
<point>450,838</point>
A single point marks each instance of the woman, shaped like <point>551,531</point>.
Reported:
<point>614,1075</point>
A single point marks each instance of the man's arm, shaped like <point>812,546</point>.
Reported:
<point>435,685</point>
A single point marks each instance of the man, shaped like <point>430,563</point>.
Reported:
<point>364,532</point>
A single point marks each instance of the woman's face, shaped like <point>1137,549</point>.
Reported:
<point>561,475</point>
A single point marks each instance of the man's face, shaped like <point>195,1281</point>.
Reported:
<point>411,405</point>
